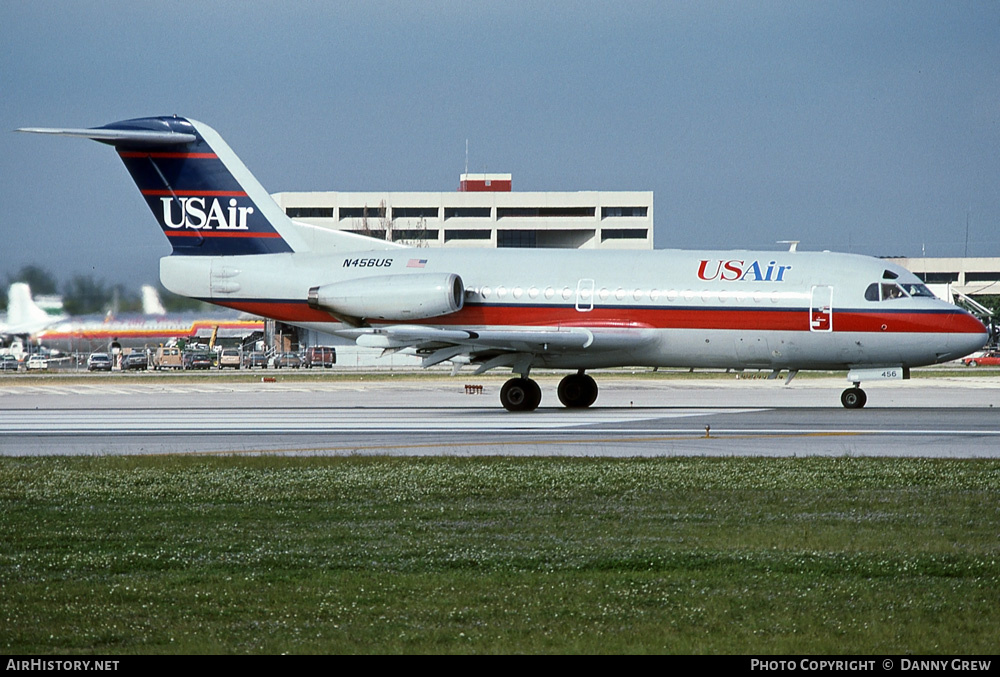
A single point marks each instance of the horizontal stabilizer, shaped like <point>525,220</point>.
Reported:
<point>119,136</point>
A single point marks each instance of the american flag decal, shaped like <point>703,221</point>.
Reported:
<point>416,263</point>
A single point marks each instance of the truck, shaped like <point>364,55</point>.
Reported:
<point>168,358</point>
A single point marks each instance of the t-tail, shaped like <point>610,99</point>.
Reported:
<point>205,199</point>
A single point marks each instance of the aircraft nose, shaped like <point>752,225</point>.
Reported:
<point>971,338</point>
<point>974,342</point>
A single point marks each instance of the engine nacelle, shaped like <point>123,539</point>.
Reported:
<point>392,297</point>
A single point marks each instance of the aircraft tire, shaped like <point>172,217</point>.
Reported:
<point>520,394</point>
<point>577,391</point>
<point>853,398</point>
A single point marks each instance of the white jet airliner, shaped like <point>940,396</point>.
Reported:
<point>524,308</point>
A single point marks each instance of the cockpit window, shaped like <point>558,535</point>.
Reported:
<point>892,291</point>
<point>886,291</point>
<point>916,289</point>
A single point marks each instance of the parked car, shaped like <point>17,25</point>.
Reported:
<point>254,359</point>
<point>229,357</point>
<point>197,360</point>
<point>990,358</point>
<point>99,362</point>
<point>8,363</point>
<point>287,360</point>
<point>319,356</point>
<point>135,360</point>
<point>168,358</point>
<point>37,363</point>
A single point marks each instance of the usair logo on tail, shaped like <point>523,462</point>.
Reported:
<point>192,212</point>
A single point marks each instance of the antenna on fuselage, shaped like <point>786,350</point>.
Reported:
<point>792,244</point>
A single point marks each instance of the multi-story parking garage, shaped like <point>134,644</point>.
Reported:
<point>971,276</point>
<point>484,212</point>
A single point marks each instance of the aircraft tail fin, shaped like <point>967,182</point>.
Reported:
<point>205,199</point>
<point>22,311</point>
<point>151,304</point>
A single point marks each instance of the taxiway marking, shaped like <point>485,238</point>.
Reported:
<point>158,421</point>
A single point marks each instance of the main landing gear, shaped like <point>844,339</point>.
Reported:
<point>576,391</point>
<point>520,394</point>
<point>853,398</point>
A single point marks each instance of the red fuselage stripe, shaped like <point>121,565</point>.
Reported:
<point>215,233</point>
<point>654,318</point>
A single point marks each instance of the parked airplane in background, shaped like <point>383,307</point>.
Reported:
<point>522,308</point>
<point>23,314</point>
<point>28,323</point>
<point>84,335</point>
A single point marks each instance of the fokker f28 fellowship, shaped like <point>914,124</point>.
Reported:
<point>525,308</point>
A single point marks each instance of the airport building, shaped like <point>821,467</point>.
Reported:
<point>970,276</point>
<point>484,212</point>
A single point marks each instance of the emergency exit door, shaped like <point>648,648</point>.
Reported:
<point>821,308</point>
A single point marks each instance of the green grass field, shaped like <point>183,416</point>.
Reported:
<point>497,555</point>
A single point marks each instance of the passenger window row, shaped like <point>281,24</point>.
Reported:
<point>621,294</point>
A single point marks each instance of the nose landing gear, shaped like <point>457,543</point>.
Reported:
<point>854,398</point>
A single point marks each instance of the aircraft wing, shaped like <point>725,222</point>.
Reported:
<point>540,340</point>
<point>488,348</point>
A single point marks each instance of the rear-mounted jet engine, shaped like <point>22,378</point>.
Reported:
<point>392,297</point>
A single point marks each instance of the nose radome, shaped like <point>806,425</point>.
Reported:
<point>965,342</point>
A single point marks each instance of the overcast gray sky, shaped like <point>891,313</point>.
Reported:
<point>871,127</point>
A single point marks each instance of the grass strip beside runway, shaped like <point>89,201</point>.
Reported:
<point>124,555</point>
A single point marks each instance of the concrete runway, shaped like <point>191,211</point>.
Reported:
<point>926,417</point>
